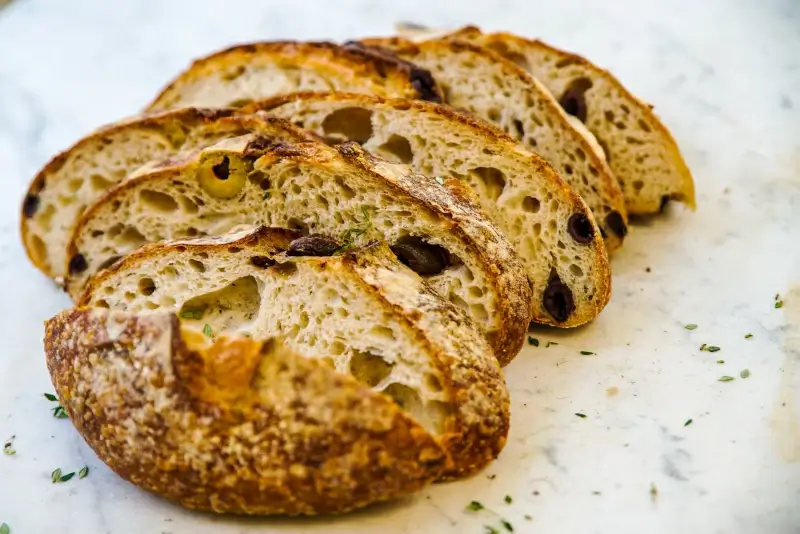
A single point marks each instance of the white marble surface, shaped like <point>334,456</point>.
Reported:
<point>724,75</point>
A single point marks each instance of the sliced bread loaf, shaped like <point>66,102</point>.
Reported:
<point>548,224</point>
<point>74,179</point>
<point>344,193</point>
<point>641,151</point>
<point>485,84</point>
<point>362,312</point>
<point>179,415</point>
<point>254,71</point>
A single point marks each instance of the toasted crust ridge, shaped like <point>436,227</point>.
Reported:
<point>313,441</point>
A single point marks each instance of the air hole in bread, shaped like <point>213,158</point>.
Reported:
<point>476,292</point>
<point>643,125</point>
<point>520,128</point>
<point>458,301</point>
<point>240,102</point>
<point>226,309</point>
<point>406,398</point>
<point>349,124</point>
<point>438,414</point>
<point>328,361</point>
<point>638,185</point>
<point>37,249</point>
<point>531,141</point>
<point>576,270</point>
<point>258,178</point>
<point>146,286</point>
<point>336,348</point>
<point>494,181</point>
<point>157,201</point>
<point>46,217</point>
<point>234,250</point>
<point>129,296</point>
<point>197,265</point>
<point>233,73</point>
<point>150,305</point>
<point>383,332</point>
<point>74,184</point>
<point>604,146</point>
<point>100,183</point>
<point>108,262</point>
<point>494,114</point>
<point>397,150</point>
<point>369,368</point>
<point>187,204</point>
<point>285,269</point>
<point>346,190</point>
<point>609,115</point>
<point>101,303</point>
<point>515,57</point>
<point>479,313</point>
<point>531,205</point>
<point>131,237</point>
<point>432,382</point>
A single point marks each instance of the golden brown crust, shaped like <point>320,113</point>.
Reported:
<point>492,252</point>
<point>231,426</point>
<point>383,74</point>
<point>175,125</point>
<point>685,188</point>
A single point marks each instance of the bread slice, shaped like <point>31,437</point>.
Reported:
<point>549,226</point>
<point>232,425</point>
<point>343,193</point>
<point>254,71</point>
<point>363,312</point>
<point>74,179</point>
<point>494,89</point>
<point>641,151</point>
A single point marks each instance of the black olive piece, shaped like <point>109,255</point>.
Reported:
<point>421,257</point>
<point>262,261</point>
<point>313,245</point>
<point>580,228</point>
<point>222,170</point>
<point>616,224</point>
<point>574,100</point>
<point>77,264</point>
<point>30,205</point>
<point>558,300</point>
<point>422,80</point>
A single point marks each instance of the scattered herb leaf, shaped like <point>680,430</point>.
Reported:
<point>490,530</point>
<point>587,352</point>
<point>712,348</point>
<point>66,477</point>
<point>84,472</point>
<point>595,493</point>
<point>55,475</point>
<point>703,346</point>
<point>720,361</point>
<point>207,330</point>
<point>5,529</point>
<point>725,378</point>
<point>581,415</point>
<point>50,397</point>
<point>59,412</point>
<point>491,477</point>
<point>529,518</point>
<point>508,525</point>
<point>653,492</point>
<point>745,373</point>
<point>475,506</point>
<point>266,195</point>
<point>688,422</point>
<point>778,301</point>
<point>439,180</point>
<point>748,336</point>
<point>690,327</point>
<point>550,343</point>
<point>533,341</point>
<point>508,499</point>
<point>351,234</point>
